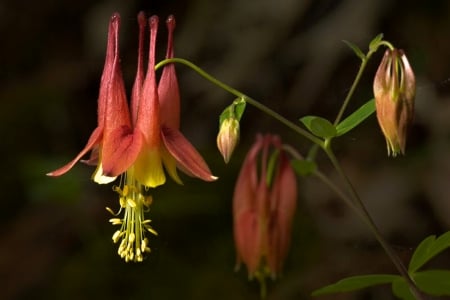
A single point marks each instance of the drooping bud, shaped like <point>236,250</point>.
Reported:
<point>228,138</point>
<point>229,129</point>
<point>264,203</point>
<point>394,88</point>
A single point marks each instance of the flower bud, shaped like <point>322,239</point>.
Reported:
<point>264,204</point>
<point>394,88</point>
<point>228,137</point>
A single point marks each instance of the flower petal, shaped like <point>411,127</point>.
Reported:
<point>108,69</point>
<point>185,154</point>
<point>100,178</point>
<point>147,110</point>
<point>170,164</point>
<point>93,158</point>
<point>136,93</point>
<point>168,90</point>
<point>120,150</point>
<point>283,200</point>
<point>148,168</point>
<point>94,140</point>
<point>247,239</point>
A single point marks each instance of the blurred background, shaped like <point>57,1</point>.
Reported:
<point>55,239</point>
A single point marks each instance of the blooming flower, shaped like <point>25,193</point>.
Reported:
<point>152,137</point>
<point>141,141</point>
<point>394,88</point>
<point>263,208</point>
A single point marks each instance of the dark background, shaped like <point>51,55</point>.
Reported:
<point>55,239</point>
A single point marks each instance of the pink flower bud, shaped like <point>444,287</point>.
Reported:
<point>263,208</point>
<point>228,137</point>
<point>394,88</point>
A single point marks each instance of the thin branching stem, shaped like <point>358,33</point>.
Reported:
<point>352,199</point>
<point>306,134</point>
<point>358,206</point>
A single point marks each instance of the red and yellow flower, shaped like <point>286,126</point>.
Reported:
<point>142,141</point>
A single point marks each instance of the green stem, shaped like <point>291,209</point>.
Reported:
<point>358,206</point>
<point>358,78</point>
<point>354,201</point>
<point>352,89</point>
<point>385,43</point>
<point>246,98</point>
<point>262,285</point>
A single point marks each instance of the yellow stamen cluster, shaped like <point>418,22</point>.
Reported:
<point>133,243</point>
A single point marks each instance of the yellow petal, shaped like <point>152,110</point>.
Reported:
<point>170,165</point>
<point>148,168</point>
<point>100,178</point>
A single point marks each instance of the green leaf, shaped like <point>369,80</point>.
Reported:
<point>421,254</point>
<point>303,167</point>
<point>227,113</point>
<point>319,126</point>
<point>427,249</point>
<point>375,43</point>
<point>356,283</point>
<point>239,107</point>
<point>434,282</point>
<point>355,49</point>
<point>441,243</point>
<point>233,111</point>
<point>401,289</point>
<point>356,117</point>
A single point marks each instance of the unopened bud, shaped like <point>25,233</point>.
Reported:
<point>394,88</point>
<point>228,137</point>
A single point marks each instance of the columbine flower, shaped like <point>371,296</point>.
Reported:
<point>151,138</point>
<point>263,208</point>
<point>394,88</point>
<point>140,141</point>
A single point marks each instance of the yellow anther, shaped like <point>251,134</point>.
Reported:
<point>144,244</point>
<point>151,230</point>
<point>117,189</point>
<point>131,202</point>
<point>116,236</point>
<point>133,243</point>
<point>116,221</point>
<point>131,238</point>
<point>110,211</point>
<point>125,191</point>
<point>122,202</point>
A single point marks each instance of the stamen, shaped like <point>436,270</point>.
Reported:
<point>112,212</point>
<point>115,221</point>
<point>133,243</point>
<point>131,203</point>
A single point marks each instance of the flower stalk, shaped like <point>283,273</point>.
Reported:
<point>354,201</point>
